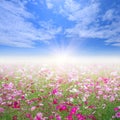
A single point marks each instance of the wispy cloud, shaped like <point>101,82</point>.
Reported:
<point>109,15</point>
<point>74,11</point>
<point>90,20</point>
<point>116,44</point>
<point>16,29</point>
<point>89,23</point>
<point>49,4</point>
<point>87,18</point>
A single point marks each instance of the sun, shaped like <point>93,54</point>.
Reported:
<point>61,58</point>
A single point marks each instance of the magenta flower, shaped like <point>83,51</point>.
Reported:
<point>61,107</point>
<point>55,101</point>
<point>55,91</point>
<point>69,117</point>
<point>116,109</point>
<point>23,97</point>
<point>80,117</point>
<point>16,104</point>
<point>73,110</point>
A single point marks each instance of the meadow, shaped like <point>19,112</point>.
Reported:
<point>59,92</point>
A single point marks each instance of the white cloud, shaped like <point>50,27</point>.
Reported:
<point>116,44</point>
<point>115,41</point>
<point>49,4</point>
<point>70,6</point>
<point>88,21</point>
<point>76,12</point>
<point>109,14</point>
<point>16,30</point>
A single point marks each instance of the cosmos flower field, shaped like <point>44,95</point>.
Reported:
<point>59,92</point>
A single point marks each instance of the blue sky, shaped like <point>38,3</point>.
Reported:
<point>45,27</point>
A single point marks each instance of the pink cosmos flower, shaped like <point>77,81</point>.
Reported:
<point>100,92</point>
<point>1,110</point>
<point>8,86</point>
<point>107,89</point>
<point>105,97</point>
<point>114,73</point>
<point>117,115</point>
<point>112,98</point>
<point>1,100</point>
<point>28,115</point>
<point>58,117</point>
<point>51,117</point>
<point>119,107</point>
<point>33,108</point>
<point>105,80</point>
<point>39,116</point>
